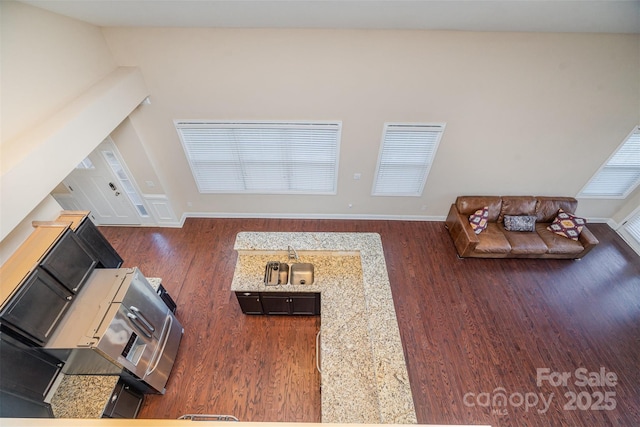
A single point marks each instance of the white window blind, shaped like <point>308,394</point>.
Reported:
<point>406,155</point>
<point>620,175</point>
<point>266,157</point>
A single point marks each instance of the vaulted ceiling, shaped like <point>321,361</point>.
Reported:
<point>591,16</point>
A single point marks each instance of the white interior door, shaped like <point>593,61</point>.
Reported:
<point>96,187</point>
<point>630,231</point>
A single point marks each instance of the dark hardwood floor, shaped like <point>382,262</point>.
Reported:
<point>474,330</point>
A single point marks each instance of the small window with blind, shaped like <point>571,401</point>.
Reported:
<point>262,157</point>
<point>620,175</point>
<point>406,154</point>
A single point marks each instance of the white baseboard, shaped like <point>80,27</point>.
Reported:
<point>236,215</point>
<point>600,221</point>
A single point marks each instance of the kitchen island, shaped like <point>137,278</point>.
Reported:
<point>364,375</point>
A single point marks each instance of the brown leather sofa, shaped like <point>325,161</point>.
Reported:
<point>496,242</point>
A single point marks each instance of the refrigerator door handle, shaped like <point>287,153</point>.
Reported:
<point>157,355</point>
<point>136,321</point>
<point>143,319</point>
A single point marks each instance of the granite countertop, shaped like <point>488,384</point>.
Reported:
<point>364,375</point>
<point>83,396</point>
<point>155,282</point>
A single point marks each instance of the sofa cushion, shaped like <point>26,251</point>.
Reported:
<point>557,244</point>
<point>567,225</point>
<point>519,222</point>
<point>478,220</point>
<point>493,241</point>
<point>547,207</point>
<point>524,243</point>
<point>517,205</point>
<point>467,205</point>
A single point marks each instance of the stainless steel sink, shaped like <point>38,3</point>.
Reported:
<point>276,273</point>
<point>301,273</point>
<point>280,273</point>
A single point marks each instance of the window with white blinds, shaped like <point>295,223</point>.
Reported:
<point>262,157</point>
<point>406,154</point>
<point>620,175</point>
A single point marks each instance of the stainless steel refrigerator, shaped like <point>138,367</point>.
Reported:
<point>118,325</point>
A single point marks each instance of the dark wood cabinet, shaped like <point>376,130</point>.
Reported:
<point>69,261</point>
<point>37,307</point>
<point>279,303</point>
<point>16,406</point>
<point>26,376</point>
<point>169,302</point>
<point>249,302</point>
<point>124,402</point>
<point>99,246</point>
<point>305,304</point>
<point>39,283</point>
<point>43,275</point>
<point>275,303</point>
<point>26,370</point>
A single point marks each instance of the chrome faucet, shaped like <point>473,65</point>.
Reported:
<point>292,253</point>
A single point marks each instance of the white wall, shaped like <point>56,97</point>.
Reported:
<point>130,147</point>
<point>47,61</point>
<point>526,113</point>
<point>61,96</point>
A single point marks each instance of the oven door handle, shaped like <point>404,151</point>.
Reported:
<point>157,355</point>
<point>136,321</point>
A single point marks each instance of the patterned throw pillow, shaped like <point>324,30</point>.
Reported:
<point>519,223</point>
<point>567,225</point>
<point>478,220</point>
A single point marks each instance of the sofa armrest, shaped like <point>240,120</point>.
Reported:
<point>464,239</point>
<point>588,241</point>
